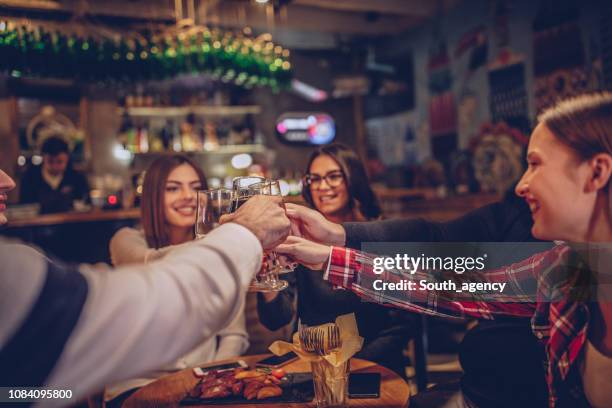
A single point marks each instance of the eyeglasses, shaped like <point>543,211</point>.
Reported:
<point>333,179</point>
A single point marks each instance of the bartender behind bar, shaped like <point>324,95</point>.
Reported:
<point>55,185</point>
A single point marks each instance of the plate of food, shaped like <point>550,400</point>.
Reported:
<point>250,386</point>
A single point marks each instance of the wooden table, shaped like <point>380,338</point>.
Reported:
<point>170,389</point>
<point>74,217</point>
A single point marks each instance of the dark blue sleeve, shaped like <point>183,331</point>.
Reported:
<point>279,312</point>
<point>504,221</point>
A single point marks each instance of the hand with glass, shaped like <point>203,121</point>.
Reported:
<point>267,280</point>
<point>212,204</point>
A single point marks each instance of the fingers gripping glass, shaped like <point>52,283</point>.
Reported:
<point>240,187</point>
<point>267,279</point>
<point>212,204</point>
<point>333,179</point>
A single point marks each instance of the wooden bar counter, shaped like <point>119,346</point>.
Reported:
<point>73,236</point>
<point>71,217</point>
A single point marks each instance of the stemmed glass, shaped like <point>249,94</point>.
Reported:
<point>211,205</point>
<point>240,186</point>
<point>267,280</point>
<point>272,187</point>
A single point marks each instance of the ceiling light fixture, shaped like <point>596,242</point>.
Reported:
<point>261,1</point>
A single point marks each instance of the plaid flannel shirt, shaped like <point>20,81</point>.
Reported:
<point>536,287</point>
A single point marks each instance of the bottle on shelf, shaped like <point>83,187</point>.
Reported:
<point>210,133</point>
<point>123,135</point>
<point>190,140</point>
<point>177,144</point>
<point>167,136</point>
<point>143,139</point>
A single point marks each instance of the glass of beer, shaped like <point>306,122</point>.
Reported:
<point>211,205</point>
<point>240,187</point>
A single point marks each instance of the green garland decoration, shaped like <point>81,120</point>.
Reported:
<point>226,56</point>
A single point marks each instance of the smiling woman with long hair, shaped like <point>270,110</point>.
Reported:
<point>346,194</point>
<point>567,187</point>
<point>168,216</point>
<point>337,186</point>
<point>167,211</point>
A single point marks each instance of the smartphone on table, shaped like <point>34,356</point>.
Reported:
<point>201,371</point>
<point>277,361</point>
<point>364,385</point>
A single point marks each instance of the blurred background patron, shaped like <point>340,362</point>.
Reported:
<point>55,185</point>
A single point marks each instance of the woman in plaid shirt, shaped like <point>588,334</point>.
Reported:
<point>567,187</point>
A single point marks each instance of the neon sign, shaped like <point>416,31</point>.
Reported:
<point>306,128</point>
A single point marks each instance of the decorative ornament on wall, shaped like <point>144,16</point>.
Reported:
<point>50,123</point>
<point>497,157</point>
<point>507,91</point>
<point>394,139</point>
<point>559,55</point>
<point>466,112</point>
<point>442,109</point>
<point>508,95</point>
<point>475,41</point>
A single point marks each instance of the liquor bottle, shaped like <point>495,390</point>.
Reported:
<point>22,60</point>
<point>47,53</point>
<point>37,53</point>
<point>71,62</point>
<point>177,145</point>
<point>105,62</point>
<point>193,54</point>
<point>191,141</point>
<point>210,136</point>
<point>169,58</point>
<point>10,48</point>
<point>167,136</point>
<point>143,140</point>
<point>156,66</point>
<point>126,134</point>
<point>54,61</point>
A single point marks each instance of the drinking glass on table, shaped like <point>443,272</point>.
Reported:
<point>211,205</point>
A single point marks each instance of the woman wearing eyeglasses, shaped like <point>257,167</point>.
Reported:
<point>565,291</point>
<point>337,186</point>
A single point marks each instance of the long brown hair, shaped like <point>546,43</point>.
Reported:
<point>361,196</point>
<point>153,216</point>
<point>584,124</point>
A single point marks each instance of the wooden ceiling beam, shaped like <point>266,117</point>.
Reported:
<point>156,10</point>
<point>415,8</point>
<point>303,18</point>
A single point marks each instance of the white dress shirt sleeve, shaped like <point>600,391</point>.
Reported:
<point>149,315</point>
<point>129,246</point>
<point>233,340</point>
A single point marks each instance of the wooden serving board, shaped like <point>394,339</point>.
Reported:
<point>298,388</point>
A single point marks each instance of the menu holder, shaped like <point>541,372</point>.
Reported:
<point>330,370</point>
<point>350,339</point>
